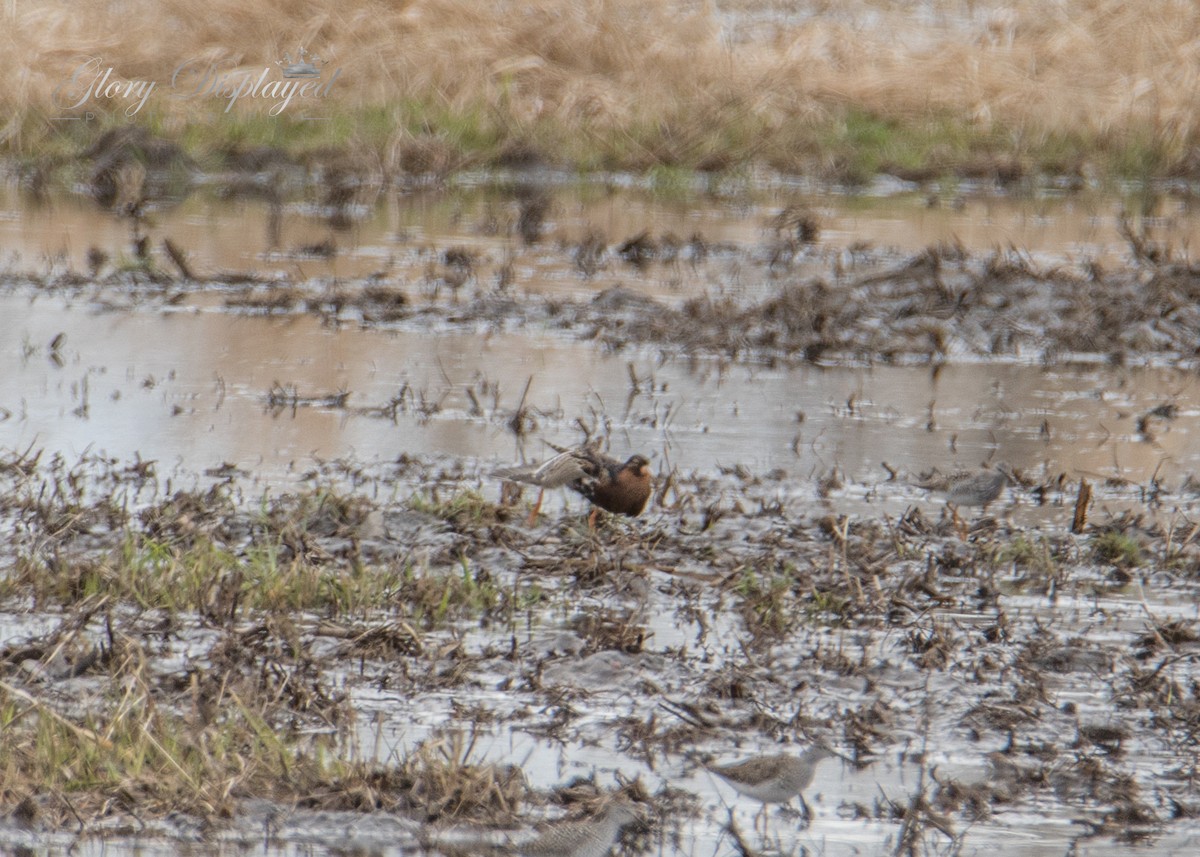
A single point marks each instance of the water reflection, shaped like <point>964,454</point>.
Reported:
<point>400,233</point>
<point>191,389</point>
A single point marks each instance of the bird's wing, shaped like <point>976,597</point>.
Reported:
<point>751,771</point>
<point>562,469</point>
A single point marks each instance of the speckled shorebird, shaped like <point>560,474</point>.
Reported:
<point>610,485</point>
<point>979,489</point>
<point>591,837</point>
<point>775,778</point>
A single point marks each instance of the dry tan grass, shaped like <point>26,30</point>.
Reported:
<point>1091,68</point>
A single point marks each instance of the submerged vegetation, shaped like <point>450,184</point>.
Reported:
<point>1085,88</point>
<point>809,306</point>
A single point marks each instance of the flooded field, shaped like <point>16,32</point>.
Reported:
<point>264,491</point>
<point>275,225</point>
<point>274,396</point>
<point>304,362</point>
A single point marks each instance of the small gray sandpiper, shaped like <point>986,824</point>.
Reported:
<point>775,778</point>
<point>591,837</point>
<point>979,489</point>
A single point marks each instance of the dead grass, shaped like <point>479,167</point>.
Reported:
<point>264,703</point>
<point>835,87</point>
<point>441,777</point>
<point>155,744</point>
<point>148,746</point>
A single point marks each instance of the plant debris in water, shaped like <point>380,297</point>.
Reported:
<point>941,304</point>
<point>192,652</point>
<point>365,642</point>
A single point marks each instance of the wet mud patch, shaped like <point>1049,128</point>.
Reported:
<point>389,645</point>
<point>423,654</point>
<point>939,306</point>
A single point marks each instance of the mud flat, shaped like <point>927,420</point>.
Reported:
<point>424,656</point>
<point>261,589</point>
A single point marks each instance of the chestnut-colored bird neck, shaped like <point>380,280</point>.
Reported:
<point>623,489</point>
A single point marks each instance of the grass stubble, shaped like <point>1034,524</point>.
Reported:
<point>1083,88</point>
<point>204,650</point>
<point>271,599</point>
<point>284,602</point>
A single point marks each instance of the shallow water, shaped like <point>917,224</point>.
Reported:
<point>606,689</point>
<point>401,233</point>
<point>190,390</point>
<point>189,387</point>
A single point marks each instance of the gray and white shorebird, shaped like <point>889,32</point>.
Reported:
<point>775,778</point>
<point>590,837</point>
<point>979,489</point>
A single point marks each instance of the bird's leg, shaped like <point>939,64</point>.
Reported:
<point>592,517</point>
<point>537,507</point>
<point>959,525</point>
<point>805,810</point>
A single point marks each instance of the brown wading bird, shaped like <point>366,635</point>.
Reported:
<point>610,485</point>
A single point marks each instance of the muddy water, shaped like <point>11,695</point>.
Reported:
<point>192,390</point>
<point>401,233</point>
<point>190,387</point>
